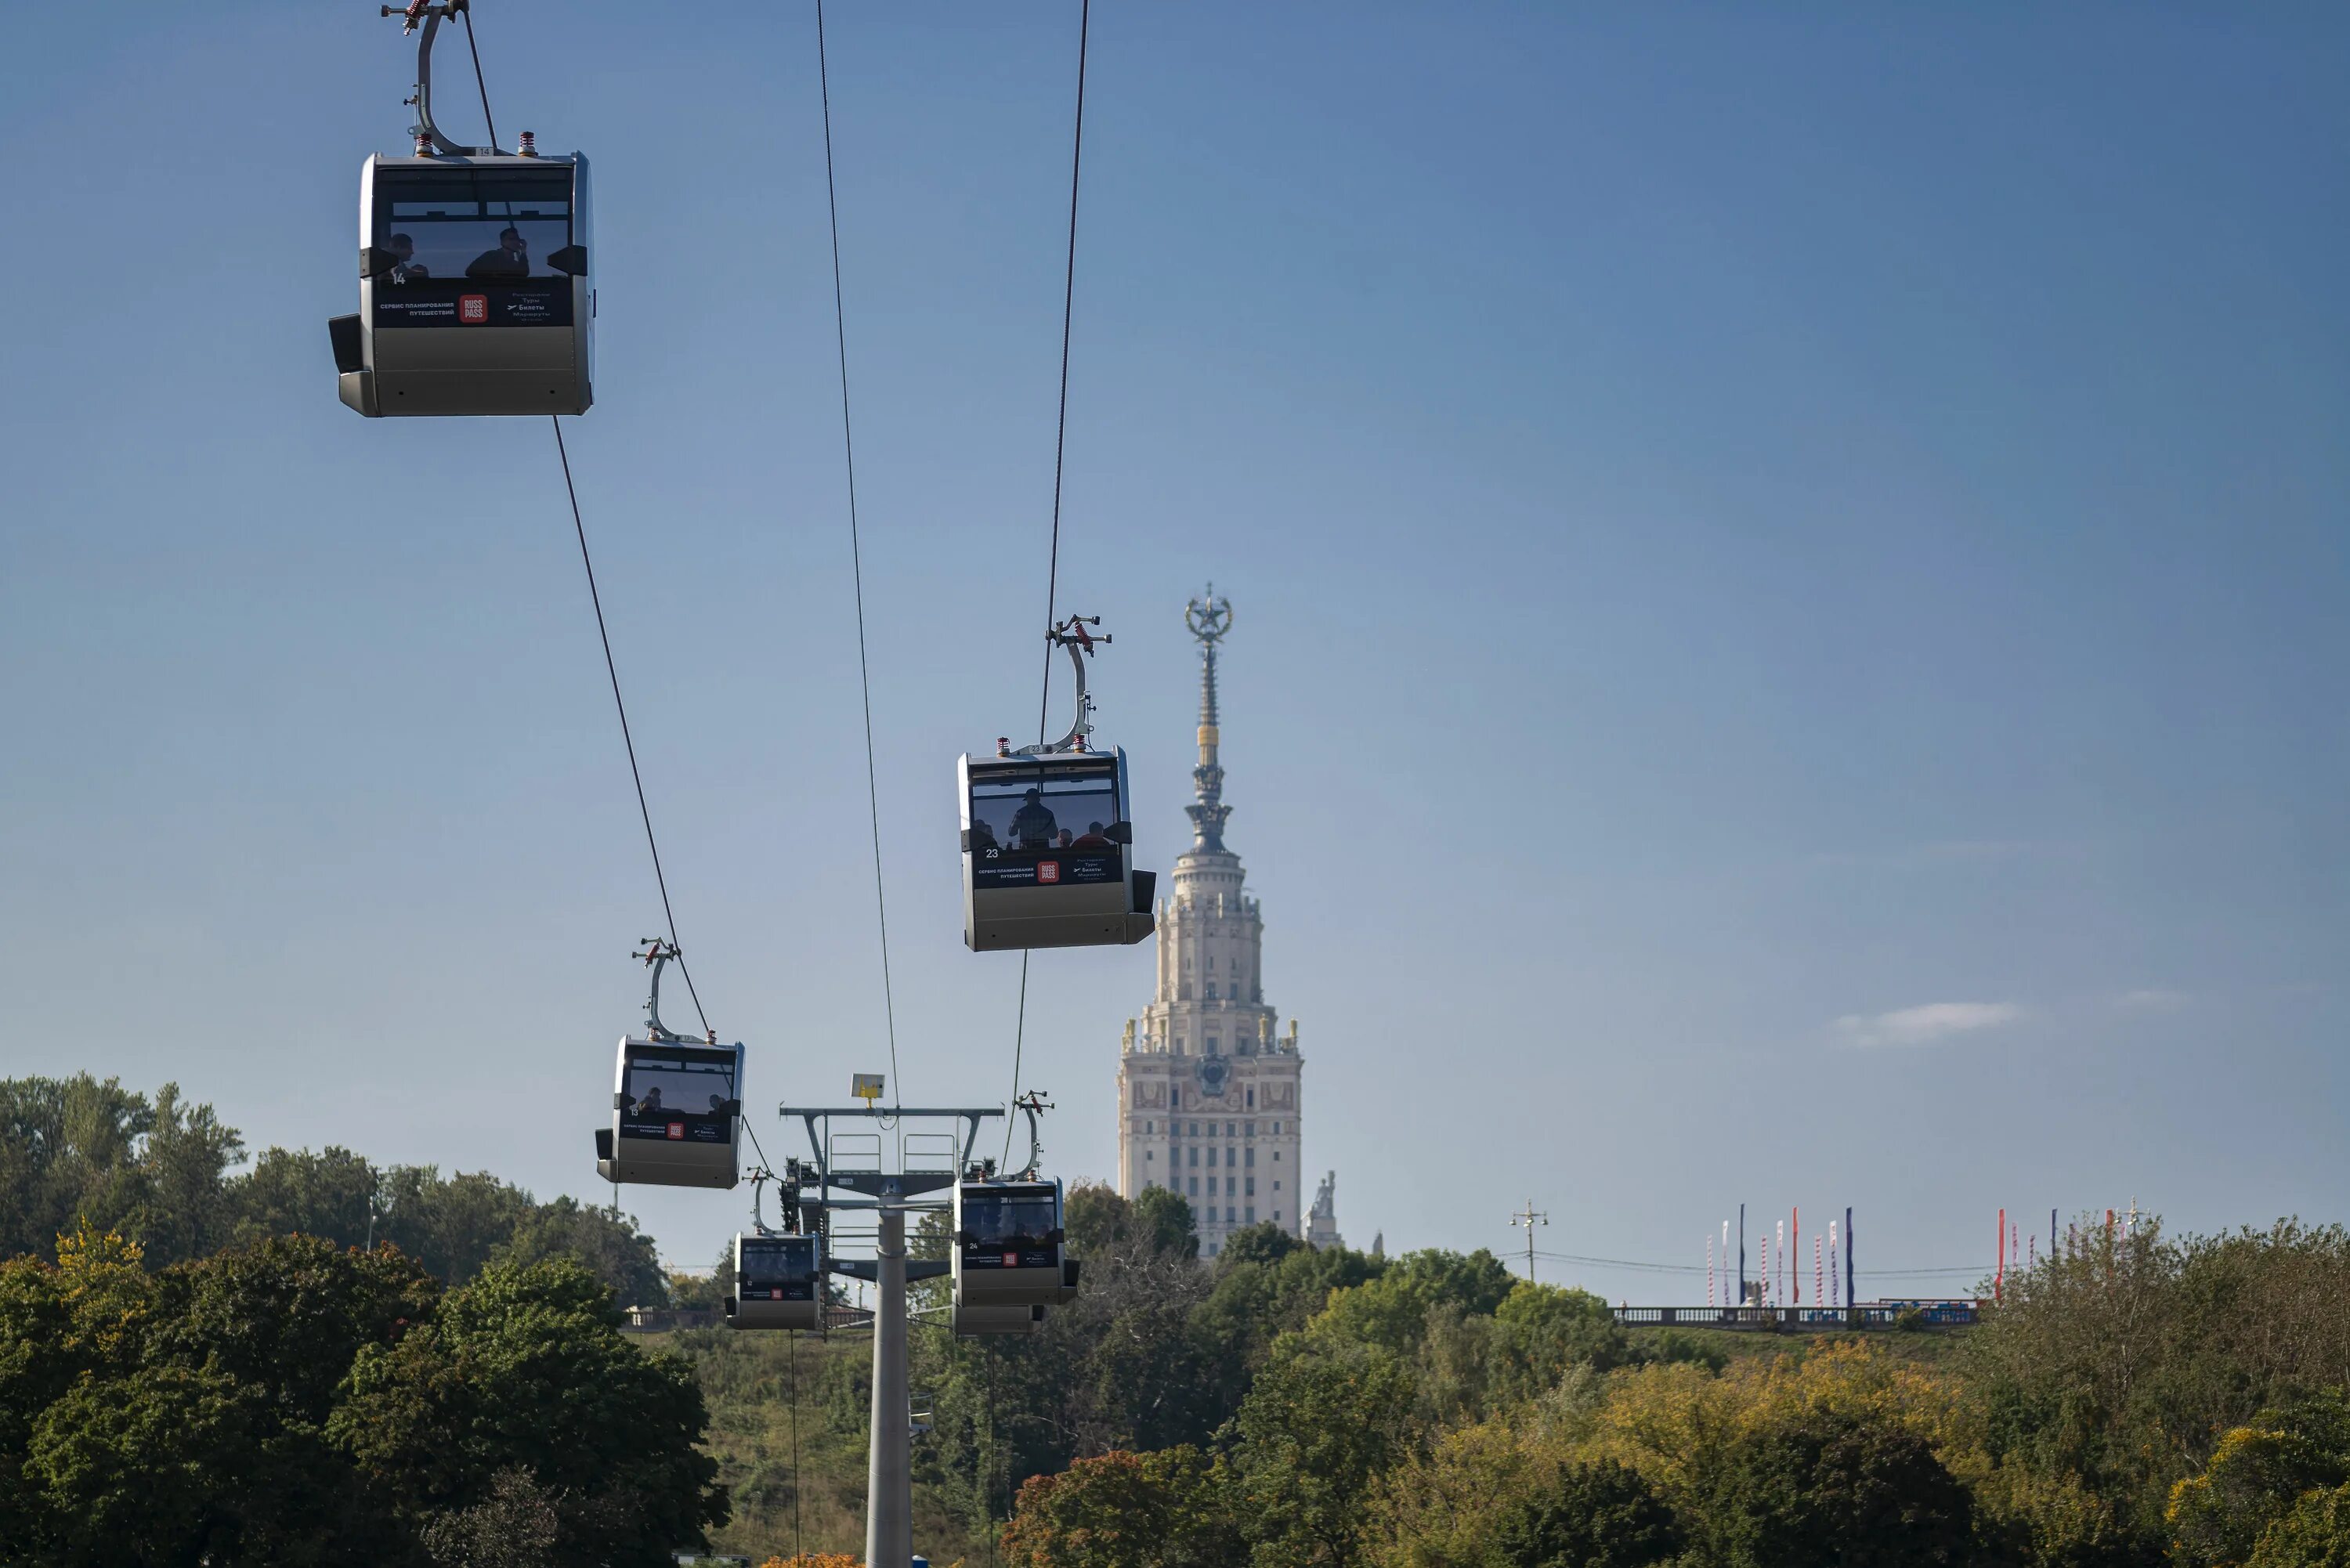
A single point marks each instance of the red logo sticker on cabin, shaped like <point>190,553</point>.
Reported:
<point>677,1129</point>
<point>1011,1260</point>
<point>1048,871</point>
<point>473,309</point>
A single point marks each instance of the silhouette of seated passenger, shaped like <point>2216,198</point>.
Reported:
<point>982,837</point>
<point>511,259</point>
<point>1033,825</point>
<point>651,1105</point>
<point>405,268</point>
<point>1092,838</point>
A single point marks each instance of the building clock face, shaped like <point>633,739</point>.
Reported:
<point>1214,1072</point>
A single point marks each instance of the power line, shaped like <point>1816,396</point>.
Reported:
<point>857,562</point>
<point>1695,1268</point>
<point>1060,448</point>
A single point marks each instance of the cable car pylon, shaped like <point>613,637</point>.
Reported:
<point>1007,1241</point>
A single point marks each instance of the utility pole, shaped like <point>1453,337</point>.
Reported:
<point>1529,1217</point>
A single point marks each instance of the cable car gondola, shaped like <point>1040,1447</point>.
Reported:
<point>677,1104</point>
<point>1047,839</point>
<point>778,1283</point>
<point>475,295</point>
<point>1008,1245</point>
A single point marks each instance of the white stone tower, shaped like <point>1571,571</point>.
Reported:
<point>1207,1089</point>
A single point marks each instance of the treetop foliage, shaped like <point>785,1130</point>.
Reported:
<point>2131,1402</point>
<point>164,1174</point>
<point>289,1401</point>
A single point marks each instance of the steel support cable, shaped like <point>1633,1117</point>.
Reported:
<point>660,879</point>
<point>473,49</point>
<point>636,774</point>
<point>1060,451</point>
<point>856,563</point>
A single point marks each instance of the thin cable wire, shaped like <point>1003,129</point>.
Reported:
<point>570,490</point>
<point>857,562</point>
<point>627,739</point>
<point>1060,448</point>
<point>484,86</point>
<point>1019,1035</point>
<point>1069,309</point>
<point>1696,1269</point>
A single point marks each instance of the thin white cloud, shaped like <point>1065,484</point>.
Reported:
<point>1925,1024</point>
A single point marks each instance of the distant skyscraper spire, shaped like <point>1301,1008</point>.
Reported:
<point>1209,619</point>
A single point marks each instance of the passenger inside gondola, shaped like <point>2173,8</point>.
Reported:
<point>1033,825</point>
<point>405,268</point>
<point>511,258</point>
<point>1018,815</point>
<point>483,227</point>
<point>1006,1222</point>
<point>669,1086</point>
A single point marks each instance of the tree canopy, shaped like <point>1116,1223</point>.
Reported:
<point>289,1401</point>
<point>165,1173</point>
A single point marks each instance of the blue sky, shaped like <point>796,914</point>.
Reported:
<point>1790,576</point>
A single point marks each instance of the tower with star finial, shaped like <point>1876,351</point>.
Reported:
<point>1208,1086</point>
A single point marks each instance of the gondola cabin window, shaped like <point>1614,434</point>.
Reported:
<point>1047,826</point>
<point>685,1096</point>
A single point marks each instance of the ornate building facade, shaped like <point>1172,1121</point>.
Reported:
<point>1208,1088</point>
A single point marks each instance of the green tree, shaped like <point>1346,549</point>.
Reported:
<point>1163,1510</point>
<point>143,1468</point>
<point>1545,1331</point>
<point>1393,1310</point>
<point>516,1525</point>
<point>525,1366</point>
<point>611,1247</point>
<point>1097,1220</point>
<point>69,1151</point>
<point>2124,1362</point>
<point>76,1148</point>
<point>330,1193</point>
<point>1830,1489</point>
<point>2255,1476</point>
<point>2314,1534</point>
<point>185,1210</point>
<point>1320,1423</point>
<point>452,1227</point>
<point>178,1418</point>
<point>1598,1515</point>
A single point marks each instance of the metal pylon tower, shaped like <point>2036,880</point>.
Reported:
<point>927,1163</point>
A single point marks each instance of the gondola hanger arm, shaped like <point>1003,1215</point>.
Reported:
<point>1072,635</point>
<point>1030,1103</point>
<point>431,14</point>
<point>658,953</point>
